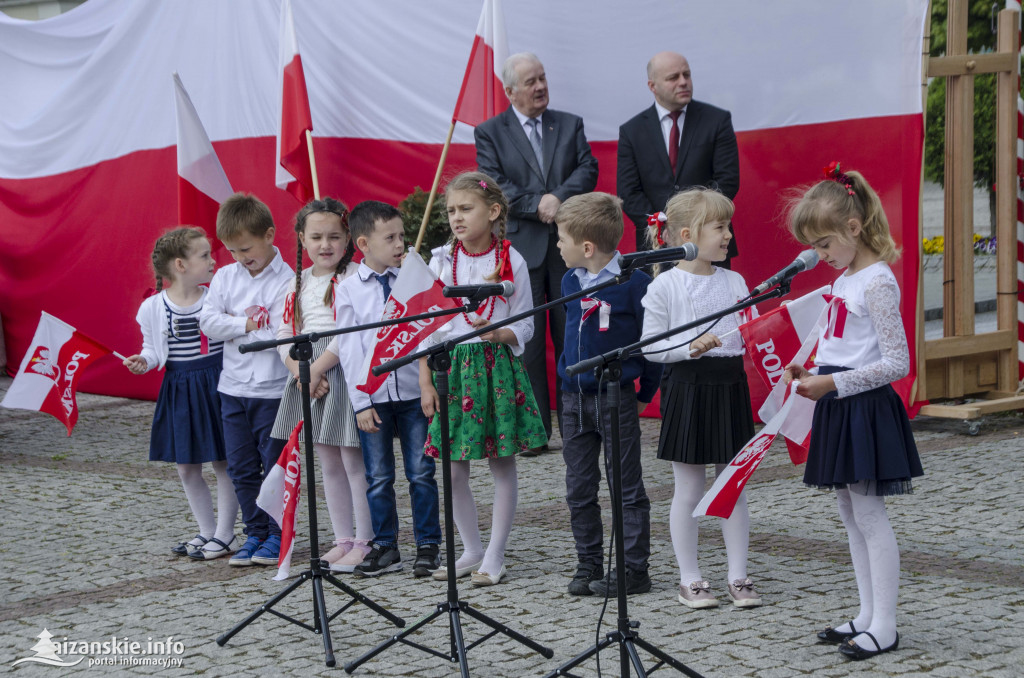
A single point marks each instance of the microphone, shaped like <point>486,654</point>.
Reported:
<point>804,261</point>
<point>503,289</point>
<point>687,252</point>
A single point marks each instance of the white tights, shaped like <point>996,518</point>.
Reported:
<point>876,564</point>
<point>344,483</point>
<point>199,500</point>
<point>506,496</point>
<point>689,490</point>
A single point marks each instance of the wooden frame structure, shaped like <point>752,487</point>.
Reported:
<point>963,364</point>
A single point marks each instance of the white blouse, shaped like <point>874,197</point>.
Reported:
<point>316,316</point>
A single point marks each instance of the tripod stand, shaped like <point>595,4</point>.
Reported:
<point>440,362</point>
<point>302,351</point>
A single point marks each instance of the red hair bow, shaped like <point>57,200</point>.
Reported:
<point>833,172</point>
<point>655,221</point>
<point>504,263</point>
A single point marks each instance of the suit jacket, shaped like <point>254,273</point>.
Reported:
<point>708,156</point>
<point>504,152</point>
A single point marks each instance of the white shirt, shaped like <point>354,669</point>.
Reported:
<point>233,292</point>
<point>316,317</point>
<point>359,300</point>
<point>588,279</point>
<point>677,297</point>
<point>666,123</point>
<point>527,127</point>
<point>474,271</point>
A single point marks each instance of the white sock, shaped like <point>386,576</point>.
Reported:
<point>736,534</point>
<point>884,556</point>
<point>337,493</point>
<point>503,512</point>
<point>227,503</point>
<point>682,525</point>
<point>861,563</point>
<point>355,470</point>
<point>464,510</point>
<point>199,499</point>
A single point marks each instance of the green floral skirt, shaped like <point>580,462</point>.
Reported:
<point>491,408</point>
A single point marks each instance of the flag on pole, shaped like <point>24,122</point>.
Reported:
<point>48,377</point>
<point>279,497</point>
<point>415,291</point>
<point>202,183</point>
<point>293,171</point>
<point>483,95</point>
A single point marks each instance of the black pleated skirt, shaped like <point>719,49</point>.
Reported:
<point>705,411</point>
<point>862,437</point>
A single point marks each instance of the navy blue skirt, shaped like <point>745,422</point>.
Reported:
<point>186,423</point>
<point>862,437</point>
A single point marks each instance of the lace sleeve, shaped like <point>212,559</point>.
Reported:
<point>882,300</point>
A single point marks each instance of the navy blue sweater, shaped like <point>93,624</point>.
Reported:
<point>625,325</point>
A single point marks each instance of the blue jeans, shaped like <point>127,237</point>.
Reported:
<point>251,453</point>
<point>405,417</point>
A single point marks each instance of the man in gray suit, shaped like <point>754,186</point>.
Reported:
<point>540,157</point>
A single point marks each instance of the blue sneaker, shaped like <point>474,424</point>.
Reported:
<point>268,552</point>
<point>243,556</point>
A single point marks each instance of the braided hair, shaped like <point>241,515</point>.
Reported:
<point>490,192</point>
<point>324,205</point>
<point>174,244</point>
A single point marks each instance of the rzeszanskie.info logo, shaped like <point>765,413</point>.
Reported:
<point>156,652</point>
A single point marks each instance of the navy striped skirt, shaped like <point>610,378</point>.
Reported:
<point>862,437</point>
<point>706,416</point>
<point>186,422</point>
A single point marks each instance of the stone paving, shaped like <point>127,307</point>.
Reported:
<point>87,524</point>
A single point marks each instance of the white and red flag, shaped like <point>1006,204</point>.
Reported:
<point>482,95</point>
<point>279,497</point>
<point>415,291</point>
<point>48,377</point>
<point>294,172</point>
<point>202,183</point>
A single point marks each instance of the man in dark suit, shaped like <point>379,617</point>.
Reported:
<point>697,137</point>
<point>540,157</point>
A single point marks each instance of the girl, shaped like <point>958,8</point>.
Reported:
<point>705,404</point>
<point>492,411</point>
<point>322,230</point>
<point>861,443</point>
<point>186,423</point>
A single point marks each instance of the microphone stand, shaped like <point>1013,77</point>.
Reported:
<point>608,367</point>
<point>302,351</point>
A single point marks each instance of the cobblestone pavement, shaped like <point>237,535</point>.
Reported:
<point>87,524</point>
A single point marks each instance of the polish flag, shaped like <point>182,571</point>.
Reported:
<point>416,291</point>
<point>293,171</point>
<point>202,183</point>
<point>776,336</point>
<point>48,377</point>
<point>483,95</point>
<point>279,497</point>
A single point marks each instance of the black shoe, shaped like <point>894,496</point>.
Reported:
<point>852,650</point>
<point>379,560</point>
<point>585,574</point>
<point>427,560</point>
<point>636,582</point>
<point>830,635</point>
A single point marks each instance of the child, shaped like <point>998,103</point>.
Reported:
<point>705,404</point>
<point>186,423</point>
<point>589,230</point>
<point>245,304</point>
<point>493,414</point>
<point>861,442</point>
<point>322,228</point>
<point>393,409</point>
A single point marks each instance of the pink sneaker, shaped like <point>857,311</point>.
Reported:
<point>341,547</point>
<point>347,563</point>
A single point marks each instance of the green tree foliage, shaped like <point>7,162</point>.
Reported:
<point>437,232</point>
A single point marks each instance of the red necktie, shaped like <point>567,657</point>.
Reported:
<point>673,140</point>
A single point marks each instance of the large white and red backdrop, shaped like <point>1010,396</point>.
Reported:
<point>87,128</point>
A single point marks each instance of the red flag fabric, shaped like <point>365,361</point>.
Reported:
<point>415,291</point>
<point>483,95</point>
<point>279,497</point>
<point>202,183</point>
<point>48,377</point>
<point>293,172</point>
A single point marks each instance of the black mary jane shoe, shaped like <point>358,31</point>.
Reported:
<point>186,548</point>
<point>830,635</point>
<point>852,650</point>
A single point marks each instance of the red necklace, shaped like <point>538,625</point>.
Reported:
<point>455,271</point>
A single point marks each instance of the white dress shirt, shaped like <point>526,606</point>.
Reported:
<point>524,122</point>
<point>666,123</point>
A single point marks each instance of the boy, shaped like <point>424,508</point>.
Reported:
<point>245,304</point>
<point>378,232</point>
<point>589,230</point>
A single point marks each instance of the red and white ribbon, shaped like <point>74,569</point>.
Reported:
<point>604,311</point>
<point>258,315</point>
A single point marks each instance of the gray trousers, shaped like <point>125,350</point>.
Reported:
<point>582,439</point>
